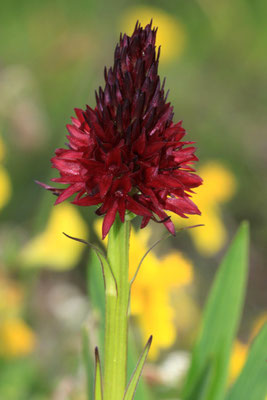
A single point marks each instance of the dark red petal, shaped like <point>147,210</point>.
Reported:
<point>154,147</point>
<point>71,155</point>
<point>80,136</point>
<point>50,188</point>
<point>121,208</point>
<point>88,201</point>
<point>66,179</point>
<point>188,179</point>
<point>121,186</point>
<point>163,181</point>
<point>139,145</point>
<point>109,219</point>
<point>99,131</point>
<point>75,122</point>
<point>69,192</point>
<point>79,114</point>
<point>184,155</point>
<point>114,158</point>
<point>137,208</point>
<point>104,184</point>
<point>181,206</point>
<point>167,221</point>
<point>171,228</point>
<point>145,221</point>
<point>65,166</point>
<point>93,167</point>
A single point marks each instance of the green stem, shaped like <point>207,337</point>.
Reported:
<point>116,315</point>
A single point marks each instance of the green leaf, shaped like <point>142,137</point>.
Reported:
<point>220,321</point>
<point>252,382</point>
<point>142,390</point>
<point>98,392</point>
<point>131,388</point>
<point>199,390</point>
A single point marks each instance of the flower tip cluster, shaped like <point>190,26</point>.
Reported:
<point>127,153</point>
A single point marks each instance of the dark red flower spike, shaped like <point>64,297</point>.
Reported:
<point>127,154</point>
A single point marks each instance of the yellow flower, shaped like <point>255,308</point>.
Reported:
<point>238,359</point>
<point>11,297</point>
<point>51,248</point>
<point>5,185</point>
<point>218,187</point>
<point>150,298</point>
<point>170,35</point>
<point>150,295</point>
<point>16,338</point>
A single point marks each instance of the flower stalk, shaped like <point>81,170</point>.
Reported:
<point>116,314</point>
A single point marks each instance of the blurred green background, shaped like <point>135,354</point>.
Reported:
<point>52,59</point>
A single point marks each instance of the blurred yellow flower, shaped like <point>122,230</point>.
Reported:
<point>5,185</point>
<point>171,34</point>
<point>11,297</point>
<point>219,186</point>
<point>51,248</point>
<point>150,296</point>
<point>150,301</point>
<point>16,338</point>
<point>238,358</point>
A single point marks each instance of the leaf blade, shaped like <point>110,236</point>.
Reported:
<point>220,321</point>
<point>98,390</point>
<point>132,385</point>
<point>142,390</point>
<point>252,382</point>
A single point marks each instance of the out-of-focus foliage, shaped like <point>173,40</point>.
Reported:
<point>52,59</point>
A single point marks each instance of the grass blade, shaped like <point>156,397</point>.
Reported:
<point>142,390</point>
<point>98,392</point>
<point>220,321</point>
<point>252,382</point>
<point>131,388</point>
